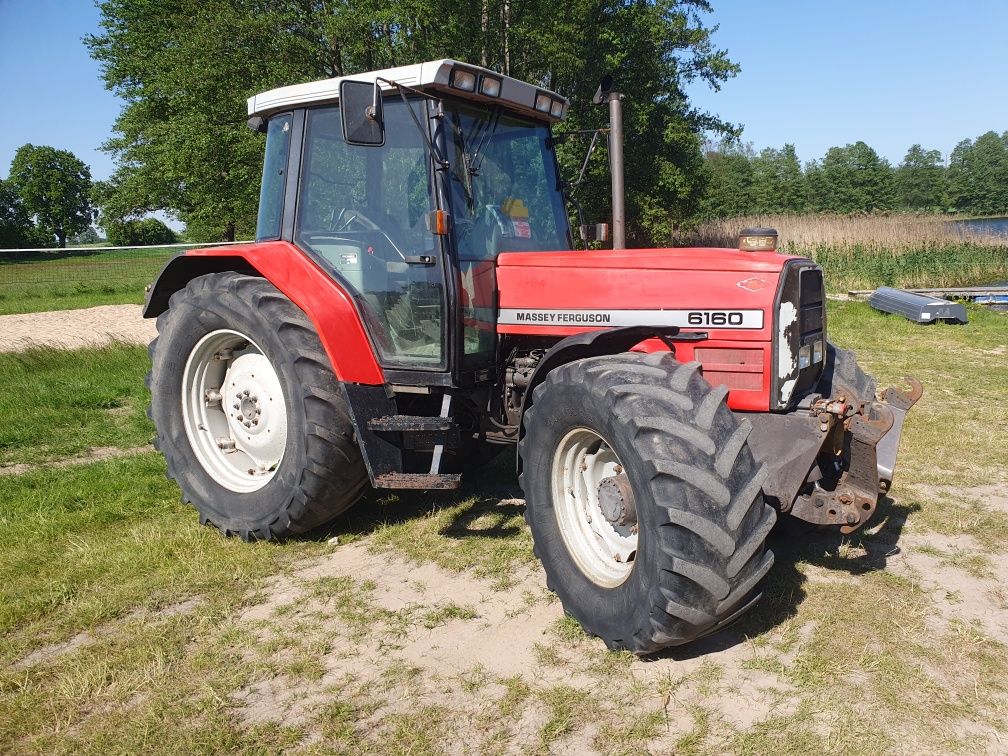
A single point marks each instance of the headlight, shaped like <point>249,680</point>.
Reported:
<point>464,80</point>
<point>804,357</point>
<point>556,109</point>
<point>817,352</point>
<point>490,86</point>
<point>543,103</point>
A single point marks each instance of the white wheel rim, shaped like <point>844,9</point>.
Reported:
<point>603,551</point>
<point>234,410</point>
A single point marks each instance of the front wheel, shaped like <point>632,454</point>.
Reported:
<point>644,501</point>
<point>248,412</point>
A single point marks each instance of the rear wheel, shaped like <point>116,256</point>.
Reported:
<point>644,500</point>
<point>249,415</point>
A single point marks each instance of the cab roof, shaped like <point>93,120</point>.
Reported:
<point>432,76</point>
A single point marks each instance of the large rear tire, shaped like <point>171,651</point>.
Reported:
<point>644,501</point>
<point>248,412</point>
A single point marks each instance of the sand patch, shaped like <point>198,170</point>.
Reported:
<point>74,329</point>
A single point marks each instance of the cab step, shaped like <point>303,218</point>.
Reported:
<point>422,481</point>
<point>410,424</point>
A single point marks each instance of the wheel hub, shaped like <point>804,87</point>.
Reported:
<point>615,497</point>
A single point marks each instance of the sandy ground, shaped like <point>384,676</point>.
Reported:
<point>73,329</point>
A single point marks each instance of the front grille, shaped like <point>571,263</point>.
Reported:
<point>799,333</point>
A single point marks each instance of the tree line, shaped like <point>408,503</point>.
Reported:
<point>49,200</point>
<point>185,68</point>
<point>855,179</point>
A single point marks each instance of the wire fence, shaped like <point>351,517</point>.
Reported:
<point>44,278</point>
<point>19,267</point>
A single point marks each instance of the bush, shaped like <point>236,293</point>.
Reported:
<point>146,231</point>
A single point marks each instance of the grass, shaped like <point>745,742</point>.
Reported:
<point>70,279</point>
<point>863,252</point>
<point>124,625</point>
<point>52,405</point>
<point>957,433</point>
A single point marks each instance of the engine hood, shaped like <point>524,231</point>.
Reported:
<point>724,292</point>
<point>685,258</point>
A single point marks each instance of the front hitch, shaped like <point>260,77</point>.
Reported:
<point>857,458</point>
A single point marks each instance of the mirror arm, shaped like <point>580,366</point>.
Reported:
<point>402,89</point>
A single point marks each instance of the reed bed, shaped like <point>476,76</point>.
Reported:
<point>862,252</point>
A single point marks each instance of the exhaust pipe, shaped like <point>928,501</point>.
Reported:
<point>615,100</point>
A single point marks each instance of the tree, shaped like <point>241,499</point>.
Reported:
<point>728,175</point>
<point>142,232</point>
<point>54,187</point>
<point>778,185</point>
<point>851,179</point>
<point>185,68</point>
<point>920,180</point>
<point>16,227</point>
<point>978,175</point>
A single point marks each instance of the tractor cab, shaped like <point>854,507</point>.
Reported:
<point>405,185</point>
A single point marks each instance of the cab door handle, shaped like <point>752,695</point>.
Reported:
<point>421,260</point>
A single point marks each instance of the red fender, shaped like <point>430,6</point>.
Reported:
<point>327,304</point>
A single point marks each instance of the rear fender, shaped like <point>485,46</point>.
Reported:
<point>330,308</point>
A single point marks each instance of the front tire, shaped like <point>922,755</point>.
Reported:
<point>644,501</point>
<point>248,412</point>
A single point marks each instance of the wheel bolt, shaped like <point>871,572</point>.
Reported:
<point>240,417</point>
<point>236,405</point>
<point>248,423</point>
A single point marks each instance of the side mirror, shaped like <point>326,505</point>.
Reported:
<point>596,232</point>
<point>361,113</point>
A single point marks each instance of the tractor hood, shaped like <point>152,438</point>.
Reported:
<point>724,292</point>
<point>686,258</point>
<point>734,312</point>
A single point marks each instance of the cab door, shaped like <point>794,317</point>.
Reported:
<point>362,214</point>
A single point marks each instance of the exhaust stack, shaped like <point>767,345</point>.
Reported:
<point>605,94</point>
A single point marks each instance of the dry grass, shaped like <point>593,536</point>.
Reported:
<point>865,251</point>
<point>873,233</point>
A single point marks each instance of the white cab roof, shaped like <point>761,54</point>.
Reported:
<point>431,76</point>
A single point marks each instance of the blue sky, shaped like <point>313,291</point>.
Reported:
<point>817,74</point>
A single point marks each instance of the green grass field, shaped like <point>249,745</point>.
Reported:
<point>77,278</point>
<point>126,627</point>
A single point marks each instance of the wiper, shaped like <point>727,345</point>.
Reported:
<point>402,89</point>
<point>466,174</point>
<point>476,159</point>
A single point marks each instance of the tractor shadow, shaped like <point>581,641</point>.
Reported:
<point>494,498</point>
<point>793,544</point>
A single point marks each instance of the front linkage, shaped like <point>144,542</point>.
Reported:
<point>833,456</point>
<point>861,439</point>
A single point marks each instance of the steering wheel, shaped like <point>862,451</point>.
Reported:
<point>343,218</point>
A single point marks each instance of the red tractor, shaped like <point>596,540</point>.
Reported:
<point>414,301</point>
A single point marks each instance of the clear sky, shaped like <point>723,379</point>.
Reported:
<point>889,72</point>
<point>814,73</point>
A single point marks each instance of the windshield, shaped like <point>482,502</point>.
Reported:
<point>505,193</point>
